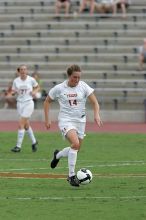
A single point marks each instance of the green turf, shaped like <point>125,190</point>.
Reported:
<point>117,191</point>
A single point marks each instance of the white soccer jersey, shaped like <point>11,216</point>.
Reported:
<point>72,100</point>
<point>23,88</point>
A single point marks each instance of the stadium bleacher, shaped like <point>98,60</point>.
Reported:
<point>105,48</point>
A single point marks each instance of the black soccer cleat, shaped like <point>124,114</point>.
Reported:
<point>55,161</point>
<point>16,149</point>
<point>73,180</point>
<point>34,147</point>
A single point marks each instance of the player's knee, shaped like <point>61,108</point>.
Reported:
<point>76,145</point>
<point>26,127</point>
<point>20,126</point>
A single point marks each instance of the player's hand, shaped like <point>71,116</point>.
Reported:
<point>33,94</point>
<point>47,125</point>
<point>98,120</point>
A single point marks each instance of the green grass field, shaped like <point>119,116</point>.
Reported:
<point>117,191</point>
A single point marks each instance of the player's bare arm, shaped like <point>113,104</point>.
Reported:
<point>35,90</point>
<point>47,104</point>
<point>13,92</point>
<point>96,109</point>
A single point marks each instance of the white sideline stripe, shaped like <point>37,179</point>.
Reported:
<point>21,159</point>
<point>140,163</point>
<point>117,165</point>
<point>75,198</point>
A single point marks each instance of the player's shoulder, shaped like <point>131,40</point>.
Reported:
<point>85,87</point>
<point>61,85</point>
<point>17,79</point>
<point>30,78</point>
<point>83,83</point>
<point>57,88</point>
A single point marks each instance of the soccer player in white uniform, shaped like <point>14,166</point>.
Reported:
<point>71,95</point>
<point>25,87</point>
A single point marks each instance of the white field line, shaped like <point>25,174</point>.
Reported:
<point>76,198</point>
<point>116,164</point>
<point>85,161</point>
<point>22,159</point>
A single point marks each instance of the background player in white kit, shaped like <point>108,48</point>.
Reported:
<point>71,95</point>
<point>25,88</point>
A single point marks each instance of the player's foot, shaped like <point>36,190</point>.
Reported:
<point>73,180</point>
<point>55,161</point>
<point>16,149</point>
<point>34,147</point>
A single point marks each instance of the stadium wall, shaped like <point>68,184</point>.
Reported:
<point>107,116</point>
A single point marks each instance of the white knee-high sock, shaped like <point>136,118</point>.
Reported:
<point>30,133</point>
<point>72,158</point>
<point>63,153</point>
<point>20,137</point>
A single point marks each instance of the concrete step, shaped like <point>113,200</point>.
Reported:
<point>69,57</point>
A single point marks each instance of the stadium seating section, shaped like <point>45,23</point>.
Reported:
<point>104,46</point>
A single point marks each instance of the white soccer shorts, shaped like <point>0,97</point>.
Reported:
<point>25,109</point>
<point>78,126</point>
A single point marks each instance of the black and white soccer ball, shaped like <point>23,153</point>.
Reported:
<point>84,176</point>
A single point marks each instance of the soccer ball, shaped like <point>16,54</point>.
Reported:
<point>84,176</point>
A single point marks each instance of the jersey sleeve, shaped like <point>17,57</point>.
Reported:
<point>88,90</point>
<point>53,93</point>
<point>14,86</point>
<point>34,82</point>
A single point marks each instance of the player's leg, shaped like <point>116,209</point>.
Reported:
<point>31,135</point>
<point>65,128</point>
<point>70,152</point>
<point>67,7</point>
<point>25,111</point>
<point>82,6</point>
<point>74,133</point>
<point>141,61</point>
<point>92,7</point>
<point>20,135</point>
<point>72,137</point>
<point>57,7</point>
<point>123,8</point>
<point>63,153</point>
<point>75,137</point>
<point>28,110</point>
<point>57,155</point>
<point>115,7</point>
